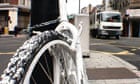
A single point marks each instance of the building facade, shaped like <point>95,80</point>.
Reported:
<point>14,13</point>
<point>134,18</point>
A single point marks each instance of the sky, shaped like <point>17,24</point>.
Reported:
<point>73,5</point>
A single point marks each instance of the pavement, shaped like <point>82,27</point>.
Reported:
<point>105,68</point>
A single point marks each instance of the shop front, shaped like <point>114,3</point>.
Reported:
<point>134,22</point>
<point>11,16</point>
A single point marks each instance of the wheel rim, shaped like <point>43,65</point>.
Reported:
<point>64,68</point>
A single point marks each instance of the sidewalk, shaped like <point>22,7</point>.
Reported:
<point>104,68</point>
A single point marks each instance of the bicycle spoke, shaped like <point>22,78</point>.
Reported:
<point>48,68</point>
<point>34,82</point>
<point>47,75</point>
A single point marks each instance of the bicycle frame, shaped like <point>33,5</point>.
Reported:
<point>75,41</point>
<point>64,28</point>
<point>75,45</point>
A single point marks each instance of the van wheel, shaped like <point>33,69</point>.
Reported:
<point>117,37</point>
<point>107,37</point>
<point>98,36</point>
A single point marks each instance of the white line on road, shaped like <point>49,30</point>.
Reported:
<point>7,53</point>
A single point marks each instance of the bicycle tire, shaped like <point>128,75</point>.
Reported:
<point>19,64</point>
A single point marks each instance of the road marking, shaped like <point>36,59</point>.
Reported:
<point>133,49</point>
<point>103,43</point>
<point>7,53</point>
<point>125,52</point>
<point>97,44</point>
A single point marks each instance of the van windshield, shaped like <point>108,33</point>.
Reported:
<point>111,17</point>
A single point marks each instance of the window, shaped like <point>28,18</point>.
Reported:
<point>4,1</point>
<point>22,2</point>
<point>98,17</point>
<point>111,17</point>
<point>26,3</point>
<point>1,1</point>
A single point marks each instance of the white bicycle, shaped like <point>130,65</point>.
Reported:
<point>50,57</point>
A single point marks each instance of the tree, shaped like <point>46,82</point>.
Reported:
<point>120,5</point>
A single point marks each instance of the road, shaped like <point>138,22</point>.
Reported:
<point>126,48</point>
<point>8,46</point>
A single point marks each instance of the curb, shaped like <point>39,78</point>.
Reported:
<point>10,36</point>
<point>115,81</point>
<point>6,36</point>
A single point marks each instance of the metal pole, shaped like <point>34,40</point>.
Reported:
<point>106,4</point>
<point>139,30</point>
<point>129,29</point>
<point>79,6</point>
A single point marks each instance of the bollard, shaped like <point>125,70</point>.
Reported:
<point>6,30</point>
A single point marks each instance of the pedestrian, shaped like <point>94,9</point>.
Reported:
<point>0,29</point>
<point>125,25</point>
<point>16,31</point>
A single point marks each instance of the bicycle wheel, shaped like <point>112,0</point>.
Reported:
<point>45,58</point>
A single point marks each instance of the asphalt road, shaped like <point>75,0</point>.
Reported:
<point>126,48</point>
<point>8,46</point>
